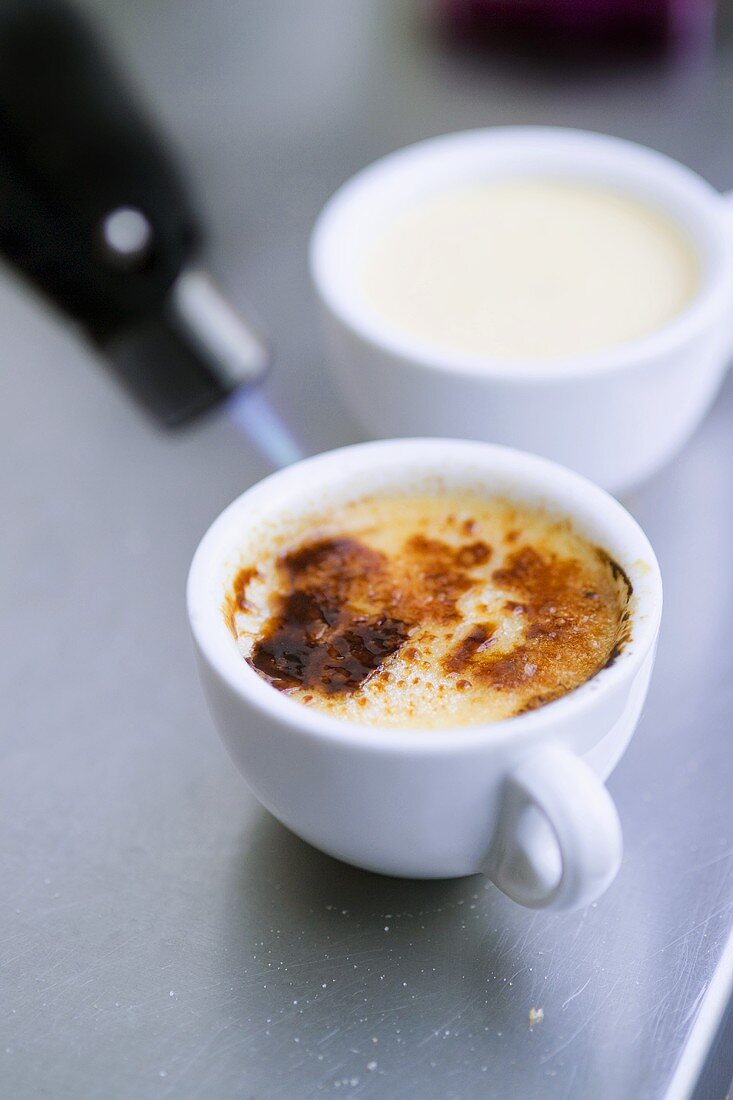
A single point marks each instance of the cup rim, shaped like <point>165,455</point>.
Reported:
<point>554,483</point>
<point>703,203</point>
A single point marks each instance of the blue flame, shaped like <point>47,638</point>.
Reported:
<point>254,413</point>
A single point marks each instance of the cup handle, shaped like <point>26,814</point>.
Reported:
<point>558,842</point>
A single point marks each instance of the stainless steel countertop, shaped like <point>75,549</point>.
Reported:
<point>161,935</point>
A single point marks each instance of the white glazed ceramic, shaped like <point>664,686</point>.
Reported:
<point>522,799</point>
<point>615,416</point>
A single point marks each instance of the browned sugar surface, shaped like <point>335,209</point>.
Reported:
<point>428,610</point>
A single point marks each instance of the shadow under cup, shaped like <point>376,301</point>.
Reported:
<point>435,803</point>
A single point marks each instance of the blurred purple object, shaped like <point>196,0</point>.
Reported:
<point>674,21</point>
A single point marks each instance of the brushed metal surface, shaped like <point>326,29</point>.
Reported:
<point>161,935</point>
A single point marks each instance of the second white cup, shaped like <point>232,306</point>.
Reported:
<point>616,416</point>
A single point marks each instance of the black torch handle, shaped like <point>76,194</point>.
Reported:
<point>93,211</point>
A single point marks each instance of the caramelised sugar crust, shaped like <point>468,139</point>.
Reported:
<point>429,610</point>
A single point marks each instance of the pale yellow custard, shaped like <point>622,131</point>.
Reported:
<point>528,268</point>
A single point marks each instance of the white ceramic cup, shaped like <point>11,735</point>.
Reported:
<point>616,416</point>
<point>521,799</point>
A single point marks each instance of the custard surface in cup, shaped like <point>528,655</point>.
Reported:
<point>529,269</point>
<point>427,610</point>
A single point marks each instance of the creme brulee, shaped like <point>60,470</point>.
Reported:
<point>528,269</point>
<point>428,610</point>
